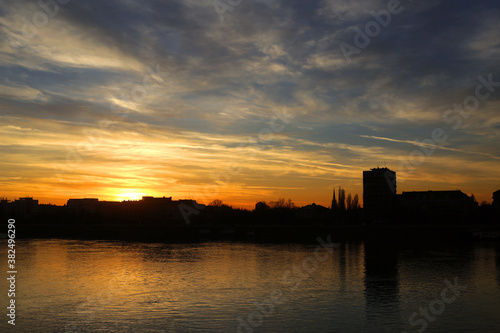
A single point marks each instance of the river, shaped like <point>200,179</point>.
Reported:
<point>116,286</point>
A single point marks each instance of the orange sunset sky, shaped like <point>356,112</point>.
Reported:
<point>117,103</point>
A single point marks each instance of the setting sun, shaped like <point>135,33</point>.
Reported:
<point>130,196</point>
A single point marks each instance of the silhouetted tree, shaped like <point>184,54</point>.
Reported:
<point>345,209</point>
<point>261,206</point>
<point>281,203</point>
<point>216,203</point>
<point>349,202</point>
<point>473,198</point>
<point>341,201</point>
<point>355,202</point>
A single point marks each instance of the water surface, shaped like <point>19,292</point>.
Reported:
<point>102,286</point>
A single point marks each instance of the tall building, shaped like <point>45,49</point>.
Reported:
<point>379,193</point>
<point>496,198</point>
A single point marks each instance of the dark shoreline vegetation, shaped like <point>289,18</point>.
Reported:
<point>387,234</point>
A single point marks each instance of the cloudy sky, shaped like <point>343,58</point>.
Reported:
<point>246,100</point>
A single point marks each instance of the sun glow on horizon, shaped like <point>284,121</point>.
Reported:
<point>130,195</point>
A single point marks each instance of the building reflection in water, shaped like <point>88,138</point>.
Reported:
<point>381,284</point>
<point>497,259</point>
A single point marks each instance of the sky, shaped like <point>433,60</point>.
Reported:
<point>246,100</point>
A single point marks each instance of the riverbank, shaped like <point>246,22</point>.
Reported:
<point>260,233</point>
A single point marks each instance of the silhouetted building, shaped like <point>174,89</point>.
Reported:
<point>496,199</point>
<point>448,205</point>
<point>159,210</point>
<point>148,210</point>
<point>49,213</point>
<point>158,202</point>
<point>25,207</point>
<point>379,192</point>
<point>116,211</point>
<point>6,209</point>
<point>82,207</point>
<point>189,202</point>
<point>314,213</point>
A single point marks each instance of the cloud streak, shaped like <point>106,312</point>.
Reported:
<point>428,145</point>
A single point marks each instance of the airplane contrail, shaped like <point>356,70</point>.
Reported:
<point>428,145</point>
